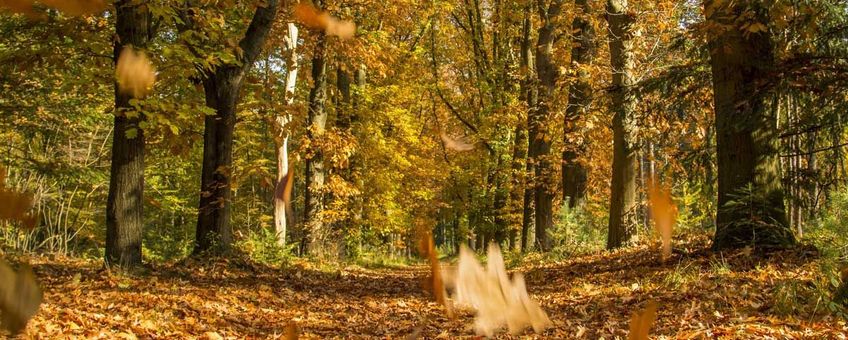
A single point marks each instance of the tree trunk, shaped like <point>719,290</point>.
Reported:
<point>746,140</point>
<point>125,202</point>
<point>540,145</point>
<point>316,120</point>
<point>221,86</point>
<point>280,218</point>
<point>574,174</point>
<point>623,217</point>
<point>530,95</point>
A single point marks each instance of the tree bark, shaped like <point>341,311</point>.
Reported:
<point>539,135</point>
<point>574,174</point>
<point>316,121</point>
<point>222,86</point>
<point>748,165</point>
<point>623,217</point>
<point>530,96</point>
<point>125,202</point>
<point>280,218</point>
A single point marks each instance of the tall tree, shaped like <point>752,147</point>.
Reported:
<point>574,174</point>
<point>316,121</point>
<point>623,208</point>
<point>539,134</point>
<point>522,143</point>
<point>124,205</point>
<point>282,120</point>
<point>221,86</point>
<point>742,57</point>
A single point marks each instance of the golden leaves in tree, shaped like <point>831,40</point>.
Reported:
<point>15,206</point>
<point>135,73</point>
<point>20,297</point>
<point>498,300</point>
<point>641,322</point>
<point>664,213</point>
<point>315,18</point>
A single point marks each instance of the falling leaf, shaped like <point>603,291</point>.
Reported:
<point>77,7</point>
<point>664,213</point>
<point>641,322</point>
<point>292,331</point>
<point>315,18</point>
<point>15,206</point>
<point>135,73</point>
<point>436,283</point>
<point>456,144</point>
<point>18,6</point>
<point>498,300</point>
<point>20,297</point>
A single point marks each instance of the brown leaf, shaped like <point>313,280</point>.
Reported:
<point>20,297</point>
<point>292,331</point>
<point>428,249</point>
<point>77,7</point>
<point>135,73</point>
<point>15,206</point>
<point>312,17</point>
<point>641,322</point>
<point>18,6</point>
<point>664,213</point>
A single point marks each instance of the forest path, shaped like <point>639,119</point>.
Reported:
<point>700,295</point>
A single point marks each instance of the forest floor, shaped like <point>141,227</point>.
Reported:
<point>700,294</point>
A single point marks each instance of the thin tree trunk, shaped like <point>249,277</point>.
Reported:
<point>221,86</point>
<point>623,217</point>
<point>125,202</point>
<point>746,133</point>
<point>280,218</point>
<point>316,120</point>
<point>574,174</point>
<point>530,96</point>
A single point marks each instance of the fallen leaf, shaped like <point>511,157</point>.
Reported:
<point>20,297</point>
<point>315,18</point>
<point>641,322</point>
<point>135,73</point>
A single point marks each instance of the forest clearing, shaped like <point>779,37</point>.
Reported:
<point>551,169</point>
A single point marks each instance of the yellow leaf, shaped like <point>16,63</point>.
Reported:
<point>135,73</point>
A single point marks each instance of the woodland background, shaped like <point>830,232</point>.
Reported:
<point>284,133</point>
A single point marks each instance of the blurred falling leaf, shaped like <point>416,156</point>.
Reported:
<point>456,144</point>
<point>77,7</point>
<point>315,18</point>
<point>15,206</point>
<point>20,297</point>
<point>18,6</point>
<point>135,73</point>
<point>664,213</point>
<point>498,300</point>
<point>287,191</point>
<point>641,322</point>
<point>428,249</point>
<point>292,331</point>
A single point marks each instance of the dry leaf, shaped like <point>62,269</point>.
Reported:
<point>20,297</point>
<point>498,300</point>
<point>460,144</point>
<point>292,331</point>
<point>18,6</point>
<point>641,322</point>
<point>15,206</point>
<point>135,73</point>
<point>315,18</point>
<point>428,249</point>
<point>664,213</point>
<point>77,7</point>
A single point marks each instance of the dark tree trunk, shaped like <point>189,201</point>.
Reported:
<point>574,174</point>
<point>222,86</point>
<point>746,140</point>
<point>530,96</point>
<point>540,146</point>
<point>316,120</point>
<point>623,217</point>
<point>125,202</point>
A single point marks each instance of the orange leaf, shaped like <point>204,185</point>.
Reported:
<point>77,7</point>
<point>641,322</point>
<point>664,213</point>
<point>135,73</point>
<point>15,206</point>
<point>428,248</point>
<point>315,18</point>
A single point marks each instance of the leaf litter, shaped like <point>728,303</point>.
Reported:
<point>589,296</point>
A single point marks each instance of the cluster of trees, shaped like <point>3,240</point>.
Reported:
<point>447,114</point>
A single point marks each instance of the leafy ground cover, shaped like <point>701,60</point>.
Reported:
<point>699,294</point>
